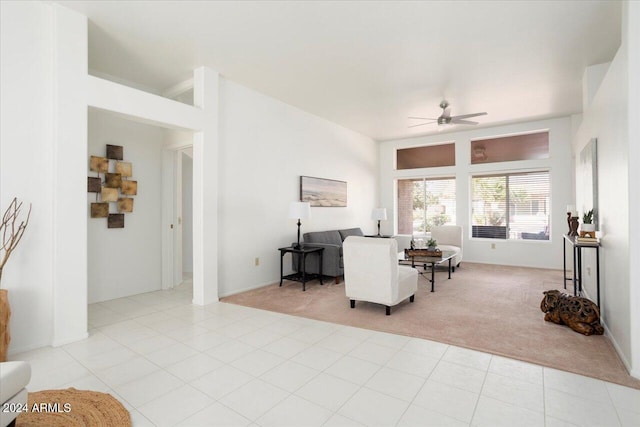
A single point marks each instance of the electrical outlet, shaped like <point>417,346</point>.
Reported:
<point>257,261</point>
<point>493,246</point>
<point>589,271</point>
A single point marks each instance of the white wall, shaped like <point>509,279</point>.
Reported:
<point>542,254</point>
<point>70,65</point>
<point>265,146</point>
<point>26,149</point>
<point>631,31</point>
<point>610,118</point>
<point>43,152</point>
<point>127,261</point>
<point>187,213</point>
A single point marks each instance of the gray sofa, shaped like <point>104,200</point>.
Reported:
<point>331,241</point>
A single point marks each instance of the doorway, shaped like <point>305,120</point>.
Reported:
<point>185,221</point>
<point>178,216</point>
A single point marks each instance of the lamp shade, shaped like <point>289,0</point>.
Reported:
<point>299,210</point>
<point>379,214</point>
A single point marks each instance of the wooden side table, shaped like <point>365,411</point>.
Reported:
<point>301,275</point>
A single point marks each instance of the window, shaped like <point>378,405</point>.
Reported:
<point>511,206</point>
<point>426,157</point>
<point>529,146</point>
<point>425,202</point>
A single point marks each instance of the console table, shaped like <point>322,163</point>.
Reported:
<point>577,264</point>
<point>301,275</point>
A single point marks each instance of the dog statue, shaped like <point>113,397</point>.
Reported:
<point>580,314</point>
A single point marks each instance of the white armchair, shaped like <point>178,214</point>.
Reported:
<point>372,273</point>
<point>14,377</point>
<point>449,238</point>
<point>404,241</point>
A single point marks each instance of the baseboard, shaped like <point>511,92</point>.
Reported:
<point>59,343</point>
<point>204,305</point>
<point>18,350</point>
<point>13,350</point>
<point>248,288</point>
<point>617,347</point>
<point>621,355</point>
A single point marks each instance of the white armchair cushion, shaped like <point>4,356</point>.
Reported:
<point>404,241</point>
<point>372,273</point>
<point>14,377</point>
<point>449,238</point>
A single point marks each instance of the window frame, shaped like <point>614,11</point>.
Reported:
<point>423,178</point>
<point>507,173</point>
<point>427,147</point>
<point>477,143</point>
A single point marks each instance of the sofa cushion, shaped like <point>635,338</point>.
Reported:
<point>351,232</point>
<point>331,237</point>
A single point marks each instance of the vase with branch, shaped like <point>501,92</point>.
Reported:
<point>12,229</point>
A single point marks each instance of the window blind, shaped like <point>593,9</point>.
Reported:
<point>511,206</point>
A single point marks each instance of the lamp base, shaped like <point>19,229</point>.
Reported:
<point>297,245</point>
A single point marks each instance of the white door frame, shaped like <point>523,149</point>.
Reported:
<point>172,268</point>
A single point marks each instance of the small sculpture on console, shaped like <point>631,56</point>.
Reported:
<point>580,314</point>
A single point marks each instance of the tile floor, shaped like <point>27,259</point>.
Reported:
<point>172,363</point>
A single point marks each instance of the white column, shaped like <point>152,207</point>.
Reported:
<point>69,176</point>
<point>632,28</point>
<point>205,189</point>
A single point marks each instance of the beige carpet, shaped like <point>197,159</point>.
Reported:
<point>491,308</point>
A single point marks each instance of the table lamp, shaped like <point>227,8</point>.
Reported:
<point>379,214</point>
<point>299,210</point>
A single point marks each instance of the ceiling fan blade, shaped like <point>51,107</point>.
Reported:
<point>466,116</point>
<point>422,118</point>
<point>422,124</point>
<point>463,122</point>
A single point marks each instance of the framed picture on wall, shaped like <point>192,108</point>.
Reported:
<point>588,173</point>
<point>320,192</point>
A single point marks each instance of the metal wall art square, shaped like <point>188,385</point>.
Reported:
<point>125,204</point>
<point>94,185</point>
<point>129,188</point>
<point>109,194</point>
<point>124,168</point>
<point>99,210</point>
<point>112,180</point>
<point>99,164</point>
<point>114,188</point>
<point>115,152</point>
<point>115,221</point>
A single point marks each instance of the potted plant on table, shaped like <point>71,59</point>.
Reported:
<point>587,222</point>
<point>432,244</point>
<point>11,231</point>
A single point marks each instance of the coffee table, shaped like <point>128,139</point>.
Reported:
<point>424,261</point>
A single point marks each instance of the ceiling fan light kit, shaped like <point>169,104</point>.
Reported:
<point>446,119</point>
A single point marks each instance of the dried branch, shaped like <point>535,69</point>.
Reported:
<point>9,235</point>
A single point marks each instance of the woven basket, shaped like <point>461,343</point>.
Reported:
<point>73,408</point>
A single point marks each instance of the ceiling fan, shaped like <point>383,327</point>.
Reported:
<point>446,119</point>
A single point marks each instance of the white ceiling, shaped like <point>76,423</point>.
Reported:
<point>367,65</point>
